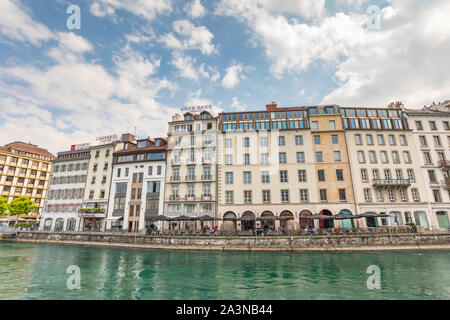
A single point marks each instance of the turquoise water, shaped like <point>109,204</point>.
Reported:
<point>38,271</point>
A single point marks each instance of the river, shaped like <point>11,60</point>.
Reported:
<point>39,271</point>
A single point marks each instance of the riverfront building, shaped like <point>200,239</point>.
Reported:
<point>287,162</point>
<point>98,183</point>
<point>137,183</point>
<point>431,131</point>
<point>191,178</point>
<point>66,191</point>
<point>25,171</point>
<point>385,167</point>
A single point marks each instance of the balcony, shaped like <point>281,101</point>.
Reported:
<point>174,197</point>
<point>399,183</point>
<point>92,213</point>
<point>190,178</point>
<point>206,177</point>
<point>444,163</point>
<point>175,178</point>
<point>446,183</point>
<point>206,197</point>
<point>189,197</point>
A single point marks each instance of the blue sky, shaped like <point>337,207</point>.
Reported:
<point>135,63</point>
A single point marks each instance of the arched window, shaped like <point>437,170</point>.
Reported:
<point>71,224</point>
<point>59,224</point>
<point>48,224</point>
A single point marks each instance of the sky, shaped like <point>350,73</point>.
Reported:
<point>132,64</point>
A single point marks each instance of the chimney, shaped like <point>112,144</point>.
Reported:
<point>272,106</point>
<point>127,137</point>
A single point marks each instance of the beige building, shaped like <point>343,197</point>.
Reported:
<point>25,171</point>
<point>387,177</point>
<point>191,182</point>
<point>285,162</point>
<point>431,131</point>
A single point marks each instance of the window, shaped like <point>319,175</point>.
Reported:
<point>323,195</point>
<point>127,171</point>
<point>264,158</point>
<point>339,175</point>
<point>316,139</point>
<point>284,196</point>
<point>437,195</point>
<point>380,139</point>
<point>406,157</point>
<point>246,142</point>
<point>314,125</point>
<point>265,178</point>
<point>372,157</point>
<point>229,197</point>
<point>437,141</point>
<point>369,139</point>
<point>298,140</point>
<point>380,196</point>
<point>304,195</point>
<point>391,139</point>
<point>332,124</point>
<point>367,195</point>
<point>334,139</point>
<point>281,141</point>
<point>411,176</point>
<point>337,156</point>
<point>228,143</point>
<point>384,158</point>
<point>364,176</point>
<point>358,139</point>
<point>228,159</point>
<point>300,157</point>
<point>266,196</point>
<point>423,141</point>
<point>342,195</point>
<point>263,141</point>
<point>395,157</point>
<point>282,157</point>
<point>387,174</point>
<point>419,125</point>
<point>319,157</point>
<point>427,158</point>
<point>391,195</point>
<point>229,178</point>
<point>361,158</point>
<point>283,176</point>
<point>432,176</point>
<point>321,175</point>
<point>247,197</point>
<point>403,195</point>
<point>432,125</point>
<point>415,194</point>
<point>399,174</point>
<point>403,141</point>
<point>247,177</point>
<point>302,175</point>
<point>247,158</point>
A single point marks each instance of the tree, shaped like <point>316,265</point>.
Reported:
<point>21,205</point>
<point>3,206</point>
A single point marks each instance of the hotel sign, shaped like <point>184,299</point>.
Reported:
<point>80,146</point>
<point>106,139</point>
<point>196,108</point>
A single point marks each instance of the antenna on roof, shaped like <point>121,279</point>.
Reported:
<point>134,132</point>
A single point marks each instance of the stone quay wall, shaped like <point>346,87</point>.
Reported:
<point>420,241</point>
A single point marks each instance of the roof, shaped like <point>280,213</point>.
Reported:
<point>28,148</point>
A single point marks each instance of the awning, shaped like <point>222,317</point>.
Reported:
<point>114,218</point>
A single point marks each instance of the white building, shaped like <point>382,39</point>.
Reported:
<point>431,131</point>
<point>137,184</point>
<point>66,190</point>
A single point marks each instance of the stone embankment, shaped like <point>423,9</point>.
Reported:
<point>419,241</point>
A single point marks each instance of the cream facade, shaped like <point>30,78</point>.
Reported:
<point>387,178</point>
<point>431,132</point>
<point>191,177</point>
<point>25,171</point>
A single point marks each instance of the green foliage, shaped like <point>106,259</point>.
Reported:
<point>3,206</point>
<point>21,205</point>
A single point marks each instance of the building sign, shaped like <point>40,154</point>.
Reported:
<point>196,108</point>
<point>80,146</point>
<point>106,139</point>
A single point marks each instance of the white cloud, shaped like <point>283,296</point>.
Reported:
<point>16,23</point>
<point>195,9</point>
<point>186,67</point>
<point>193,38</point>
<point>142,8</point>
<point>233,75</point>
<point>238,106</point>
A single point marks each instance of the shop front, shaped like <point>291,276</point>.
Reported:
<point>92,220</point>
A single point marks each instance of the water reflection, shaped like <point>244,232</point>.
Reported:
<point>113,273</point>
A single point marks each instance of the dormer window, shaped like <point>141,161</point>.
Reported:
<point>188,117</point>
<point>157,142</point>
<point>205,116</point>
<point>127,146</point>
<point>141,144</point>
